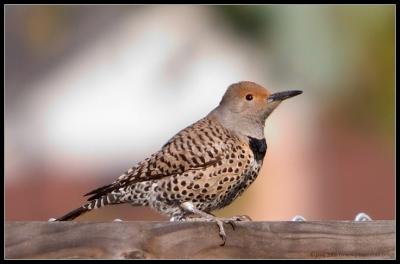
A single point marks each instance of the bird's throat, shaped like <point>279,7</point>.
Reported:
<point>258,147</point>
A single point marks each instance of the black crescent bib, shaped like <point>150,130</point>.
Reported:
<point>258,147</point>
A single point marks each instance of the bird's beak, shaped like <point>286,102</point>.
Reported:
<point>283,95</point>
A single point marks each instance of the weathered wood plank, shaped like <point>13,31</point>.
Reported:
<point>254,240</point>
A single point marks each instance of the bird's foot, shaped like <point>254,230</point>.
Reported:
<point>203,216</point>
<point>219,221</point>
<point>237,218</point>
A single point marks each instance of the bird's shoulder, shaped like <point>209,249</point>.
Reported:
<point>197,146</point>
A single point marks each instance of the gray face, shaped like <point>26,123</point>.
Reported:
<point>246,105</point>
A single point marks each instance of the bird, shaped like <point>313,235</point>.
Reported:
<point>204,167</point>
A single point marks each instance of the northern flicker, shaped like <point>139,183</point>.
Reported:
<point>202,168</point>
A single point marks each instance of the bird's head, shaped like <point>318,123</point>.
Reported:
<point>249,104</point>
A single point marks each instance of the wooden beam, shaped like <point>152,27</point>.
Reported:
<point>200,240</point>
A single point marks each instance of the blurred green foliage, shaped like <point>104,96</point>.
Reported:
<point>342,52</point>
<point>250,21</point>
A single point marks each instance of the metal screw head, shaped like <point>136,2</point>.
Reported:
<point>298,218</point>
<point>362,217</point>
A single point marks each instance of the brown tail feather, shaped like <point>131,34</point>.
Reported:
<point>102,191</point>
<point>73,214</point>
<point>99,192</point>
<point>94,203</point>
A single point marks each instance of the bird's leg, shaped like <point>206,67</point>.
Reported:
<point>190,208</point>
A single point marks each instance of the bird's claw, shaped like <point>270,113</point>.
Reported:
<point>222,233</point>
<point>205,216</point>
<point>232,221</point>
<point>237,218</point>
<point>240,218</point>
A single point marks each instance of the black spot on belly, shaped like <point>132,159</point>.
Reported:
<point>259,148</point>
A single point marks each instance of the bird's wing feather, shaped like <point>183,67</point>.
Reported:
<point>198,146</point>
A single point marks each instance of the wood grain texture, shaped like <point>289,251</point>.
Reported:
<point>198,240</point>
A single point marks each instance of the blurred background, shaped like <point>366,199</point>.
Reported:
<point>92,90</point>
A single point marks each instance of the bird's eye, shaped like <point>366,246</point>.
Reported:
<point>249,97</point>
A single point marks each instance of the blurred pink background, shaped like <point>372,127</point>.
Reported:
<point>91,90</point>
